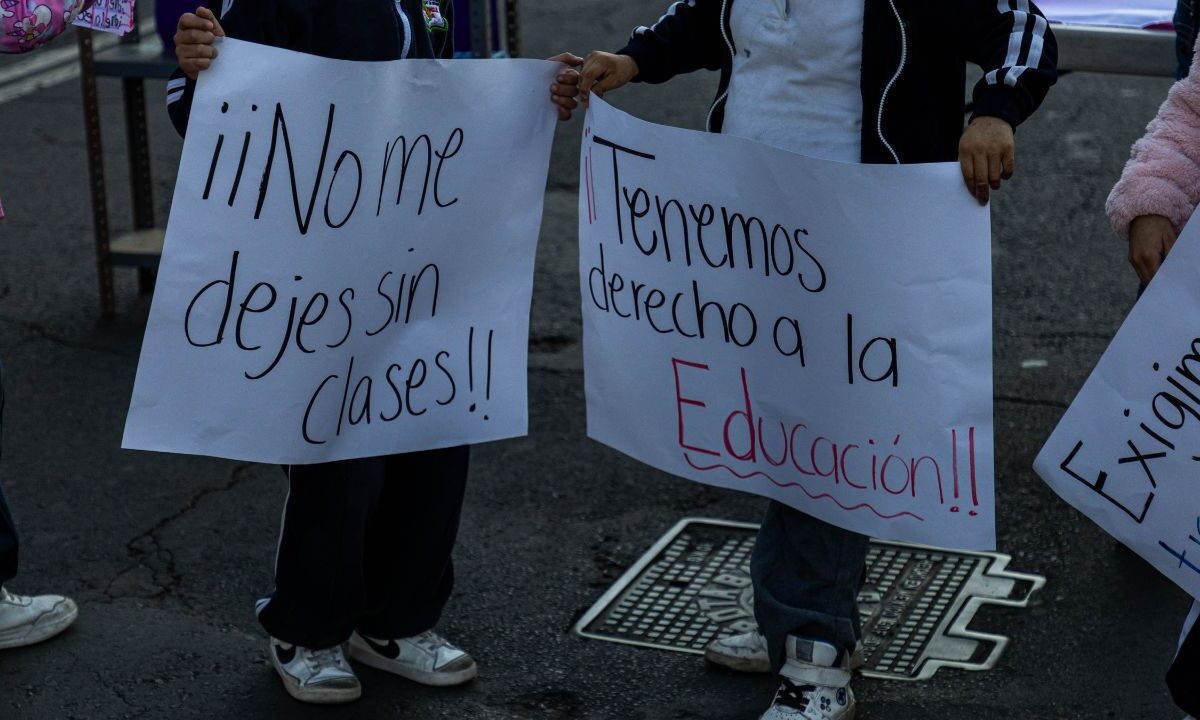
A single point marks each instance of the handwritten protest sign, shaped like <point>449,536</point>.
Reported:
<point>1127,452</point>
<point>111,16</point>
<point>816,332</point>
<point>349,261</point>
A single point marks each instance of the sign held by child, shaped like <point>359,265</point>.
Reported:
<point>110,16</point>
<point>811,331</point>
<point>1127,451</point>
<point>349,262</point>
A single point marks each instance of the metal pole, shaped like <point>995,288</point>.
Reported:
<point>95,156</point>
<point>138,139</point>
<point>514,44</point>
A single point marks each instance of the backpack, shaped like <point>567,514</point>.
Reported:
<point>28,24</point>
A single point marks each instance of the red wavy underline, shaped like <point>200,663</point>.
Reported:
<point>822,496</point>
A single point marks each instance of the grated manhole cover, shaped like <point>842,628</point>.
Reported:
<point>916,602</point>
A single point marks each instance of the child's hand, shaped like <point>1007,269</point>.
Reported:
<point>564,91</point>
<point>1151,237</point>
<point>603,72</point>
<point>194,38</point>
<point>987,155</point>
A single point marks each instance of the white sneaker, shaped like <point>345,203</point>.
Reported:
<point>815,684</point>
<point>428,658</point>
<point>30,620</point>
<point>810,702</point>
<point>747,652</point>
<point>321,677</point>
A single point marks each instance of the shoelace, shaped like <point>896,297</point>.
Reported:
<point>330,656</point>
<point>431,641</point>
<point>791,695</point>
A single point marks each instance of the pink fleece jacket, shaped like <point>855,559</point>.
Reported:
<point>1162,176</point>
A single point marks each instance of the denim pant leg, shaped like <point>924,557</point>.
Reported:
<point>806,578</point>
<point>8,531</point>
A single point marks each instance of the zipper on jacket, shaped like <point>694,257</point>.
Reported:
<point>407,29</point>
<point>732,57</point>
<point>888,88</point>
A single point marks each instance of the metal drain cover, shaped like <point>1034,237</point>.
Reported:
<point>694,586</point>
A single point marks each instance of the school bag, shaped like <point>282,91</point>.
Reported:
<point>28,24</point>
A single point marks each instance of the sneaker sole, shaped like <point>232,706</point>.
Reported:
<point>758,666</point>
<point>433,679</point>
<point>318,695</point>
<point>38,633</point>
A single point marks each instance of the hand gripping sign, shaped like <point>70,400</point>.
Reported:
<point>815,332</point>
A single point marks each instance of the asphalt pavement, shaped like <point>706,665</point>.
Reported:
<point>166,554</point>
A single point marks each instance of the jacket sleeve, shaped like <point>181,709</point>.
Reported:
<point>690,36</point>
<point>1018,54</point>
<point>1162,176</point>
<point>242,21</point>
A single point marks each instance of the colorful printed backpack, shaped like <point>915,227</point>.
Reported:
<point>28,24</point>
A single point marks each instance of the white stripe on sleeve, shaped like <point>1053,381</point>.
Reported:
<point>1014,63</point>
<point>1036,46</point>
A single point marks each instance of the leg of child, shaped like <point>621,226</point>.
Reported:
<point>409,573</point>
<point>1184,676</point>
<point>806,578</point>
<point>25,620</point>
<point>8,530</point>
<point>320,582</point>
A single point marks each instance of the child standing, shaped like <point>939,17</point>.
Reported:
<point>872,81</point>
<point>365,545</point>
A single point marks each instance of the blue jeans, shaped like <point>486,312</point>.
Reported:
<point>806,579</point>
<point>8,531</point>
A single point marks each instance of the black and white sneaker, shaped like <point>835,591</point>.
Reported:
<point>322,677</point>
<point>810,702</point>
<point>428,658</point>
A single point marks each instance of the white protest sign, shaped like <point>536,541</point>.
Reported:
<point>111,16</point>
<point>1127,452</point>
<point>349,260</point>
<point>815,332</point>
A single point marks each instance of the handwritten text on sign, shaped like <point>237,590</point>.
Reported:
<point>348,266</point>
<point>111,16</point>
<point>815,332</point>
<point>1127,452</point>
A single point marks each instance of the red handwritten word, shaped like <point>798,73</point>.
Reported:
<point>822,496</point>
<point>744,437</point>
